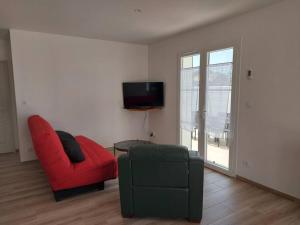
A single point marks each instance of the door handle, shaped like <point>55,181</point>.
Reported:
<point>203,115</point>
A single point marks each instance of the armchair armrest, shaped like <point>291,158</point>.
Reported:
<point>196,170</point>
<point>125,185</point>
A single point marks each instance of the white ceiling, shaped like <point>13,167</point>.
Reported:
<point>117,19</point>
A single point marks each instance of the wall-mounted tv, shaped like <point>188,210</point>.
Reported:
<point>143,95</point>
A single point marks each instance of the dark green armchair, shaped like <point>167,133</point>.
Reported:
<point>161,181</point>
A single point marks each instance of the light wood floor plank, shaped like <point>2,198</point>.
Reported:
<point>26,199</point>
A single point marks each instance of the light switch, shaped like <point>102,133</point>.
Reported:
<point>250,75</point>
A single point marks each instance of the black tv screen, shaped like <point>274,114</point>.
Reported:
<point>139,95</point>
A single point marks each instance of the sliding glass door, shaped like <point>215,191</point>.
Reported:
<point>206,106</point>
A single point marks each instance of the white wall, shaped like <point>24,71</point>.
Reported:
<point>75,83</point>
<point>5,55</point>
<point>3,50</point>
<point>269,131</point>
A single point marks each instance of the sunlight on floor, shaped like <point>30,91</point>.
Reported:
<point>216,155</point>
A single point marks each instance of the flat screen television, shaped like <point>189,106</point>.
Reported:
<point>143,95</point>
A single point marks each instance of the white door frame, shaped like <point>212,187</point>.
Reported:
<point>234,102</point>
<point>11,145</point>
<point>178,88</point>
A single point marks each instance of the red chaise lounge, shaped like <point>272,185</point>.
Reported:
<point>66,178</point>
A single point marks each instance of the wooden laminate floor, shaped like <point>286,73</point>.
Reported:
<point>26,199</point>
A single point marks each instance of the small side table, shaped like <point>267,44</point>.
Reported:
<point>124,146</point>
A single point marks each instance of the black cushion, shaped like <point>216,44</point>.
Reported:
<point>71,147</point>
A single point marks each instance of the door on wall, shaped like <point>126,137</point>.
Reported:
<point>6,127</point>
<point>206,106</point>
<point>189,101</point>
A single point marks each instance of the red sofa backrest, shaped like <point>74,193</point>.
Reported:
<point>48,148</point>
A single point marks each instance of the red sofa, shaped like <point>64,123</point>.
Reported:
<point>66,178</point>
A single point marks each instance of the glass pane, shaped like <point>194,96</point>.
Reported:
<point>189,101</point>
<point>221,56</point>
<point>187,62</point>
<point>218,105</point>
<point>196,60</point>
